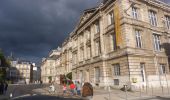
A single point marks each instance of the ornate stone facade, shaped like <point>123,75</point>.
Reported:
<point>122,42</point>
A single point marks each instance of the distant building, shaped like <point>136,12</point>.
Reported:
<point>36,74</point>
<point>49,65</point>
<point>21,71</point>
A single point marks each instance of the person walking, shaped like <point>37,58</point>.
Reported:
<point>5,87</point>
<point>72,87</point>
<point>1,88</point>
<point>87,91</point>
<point>64,89</point>
<point>78,88</point>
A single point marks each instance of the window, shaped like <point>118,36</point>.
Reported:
<point>81,76</point>
<point>81,38</point>
<point>116,81</point>
<point>114,41</point>
<point>88,52</point>
<point>98,48</point>
<point>88,34</point>
<point>138,39</point>
<point>162,69</point>
<point>157,42</point>
<point>97,74</point>
<point>116,70</point>
<point>142,66</point>
<point>135,12</point>
<point>81,54</point>
<point>74,58</point>
<point>97,27</point>
<point>152,18</point>
<point>110,18</point>
<point>167,21</point>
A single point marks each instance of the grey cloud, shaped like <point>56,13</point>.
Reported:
<point>31,28</point>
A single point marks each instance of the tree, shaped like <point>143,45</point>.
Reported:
<point>4,64</point>
<point>50,79</point>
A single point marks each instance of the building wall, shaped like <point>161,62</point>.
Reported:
<point>126,54</point>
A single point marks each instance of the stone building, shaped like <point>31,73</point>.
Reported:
<point>21,71</point>
<point>121,42</point>
<point>50,66</point>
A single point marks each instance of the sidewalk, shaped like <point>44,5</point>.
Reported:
<point>3,97</point>
<point>114,94</point>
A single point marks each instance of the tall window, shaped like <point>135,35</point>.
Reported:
<point>114,41</point>
<point>157,42</point>
<point>74,58</point>
<point>142,66</point>
<point>138,39</point>
<point>81,38</point>
<point>167,21</point>
<point>98,48</point>
<point>88,52</point>
<point>81,76</point>
<point>116,69</point>
<point>97,27</point>
<point>88,34</point>
<point>152,18</point>
<point>81,54</point>
<point>110,18</point>
<point>162,69</point>
<point>135,12</point>
<point>97,74</point>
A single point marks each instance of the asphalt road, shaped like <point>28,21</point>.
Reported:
<point>19,90</point>
<point>44,97</point>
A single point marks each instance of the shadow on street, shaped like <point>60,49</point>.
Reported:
<point>44,97</point>
<point>157,98</point>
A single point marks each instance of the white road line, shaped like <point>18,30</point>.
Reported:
<point>26,95</point>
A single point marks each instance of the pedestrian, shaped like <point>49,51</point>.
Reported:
<point>78,88</point>
<point>1,87</point>
<point>64,88</point>
<point>5,87</point>
<point>72,87</point>
<point>51,88</point>
<point>87,91</point>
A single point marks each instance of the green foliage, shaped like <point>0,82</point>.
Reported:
<point>50,78</point>
<point>4,64</point>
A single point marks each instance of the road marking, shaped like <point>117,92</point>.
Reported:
<point>26,95</point>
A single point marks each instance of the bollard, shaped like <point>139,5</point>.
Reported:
<point>109,93</point>
<point>140,92</point>
<point>10,95</point>
<point>125,86</point>
<point>162,90</point>
<point>152,90</point>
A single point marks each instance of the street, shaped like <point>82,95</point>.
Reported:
<point>44,97</point>
<point>37,91</point>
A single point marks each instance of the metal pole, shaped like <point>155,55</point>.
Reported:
<point>167,83</point>
<point>126,91</point>
<point>140,92</point>
<point>152,89</point>
<point>109,93</point>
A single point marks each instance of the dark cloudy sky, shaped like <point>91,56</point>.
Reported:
<point>31,28</point>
